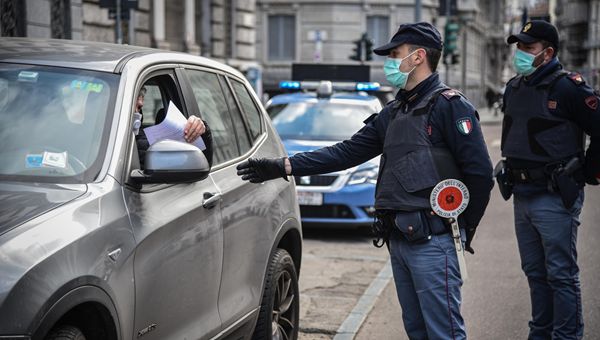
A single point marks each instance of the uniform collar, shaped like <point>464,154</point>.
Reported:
<point>423,88</point>
<point>543,71</point>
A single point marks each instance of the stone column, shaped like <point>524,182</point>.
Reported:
<point>158,24</point>
<point>189,13</point>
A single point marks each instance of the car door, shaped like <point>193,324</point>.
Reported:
<point>179,253</point>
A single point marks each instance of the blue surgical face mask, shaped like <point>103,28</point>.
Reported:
<point>391,68</point>
<point>523,62</point>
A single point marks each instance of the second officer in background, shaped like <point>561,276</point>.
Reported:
<point>428,133</point>
<point>546,112</point>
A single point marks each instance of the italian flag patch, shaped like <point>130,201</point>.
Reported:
<point>464,126</point>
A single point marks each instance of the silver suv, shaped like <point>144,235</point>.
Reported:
<point>95,246</point>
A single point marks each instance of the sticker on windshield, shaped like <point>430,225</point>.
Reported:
<point>33,161</point>
<point>28,76</point>
<point>55,159</point>
<point>86,86</point>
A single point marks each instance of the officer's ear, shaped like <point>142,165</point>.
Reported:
<point>421,56</point>
<point>549,54</point>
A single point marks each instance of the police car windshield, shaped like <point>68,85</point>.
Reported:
<point>323,120</point>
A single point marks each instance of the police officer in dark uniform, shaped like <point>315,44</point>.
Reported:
<point>547,110</point>
<point>428,133</point>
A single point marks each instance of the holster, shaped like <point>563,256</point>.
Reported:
<point>563,182</point>
<point>504,179</point>
<point>382,228</point>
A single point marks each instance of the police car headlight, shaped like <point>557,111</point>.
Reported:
<point>364,176</point>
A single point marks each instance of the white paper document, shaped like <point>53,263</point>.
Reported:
<point>171,128</point>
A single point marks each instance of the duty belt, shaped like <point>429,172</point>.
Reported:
<point>529,175</point>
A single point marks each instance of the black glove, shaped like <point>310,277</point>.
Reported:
<point>258,170</point>
<point>470,234</point>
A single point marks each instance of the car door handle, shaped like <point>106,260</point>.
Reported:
<point>210,199</point>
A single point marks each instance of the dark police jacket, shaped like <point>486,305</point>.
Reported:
<point>545,117</point>
<point>453,125</point>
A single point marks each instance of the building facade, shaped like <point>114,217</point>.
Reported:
<point>295,31</point>
<point>578,23</point>
<point>224,30</point>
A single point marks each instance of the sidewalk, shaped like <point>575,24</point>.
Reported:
<point>487,116</point>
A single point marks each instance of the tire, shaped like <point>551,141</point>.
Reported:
<point>65,333</point>
<point>280,306</point>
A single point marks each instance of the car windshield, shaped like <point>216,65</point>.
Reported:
<point>323,120</point>
<point>53,122</point>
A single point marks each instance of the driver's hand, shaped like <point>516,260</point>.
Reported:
<point>193,129</point>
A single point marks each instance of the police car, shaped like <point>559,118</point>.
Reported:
<point>322,114</point>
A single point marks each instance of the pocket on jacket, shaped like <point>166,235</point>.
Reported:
<point>416,171</point>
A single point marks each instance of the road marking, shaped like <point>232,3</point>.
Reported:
<point>358,315</point>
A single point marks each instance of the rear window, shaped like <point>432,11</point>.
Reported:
<point>53,122</point>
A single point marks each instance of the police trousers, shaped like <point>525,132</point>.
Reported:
<point>428,284</point>
<point>547,238</point>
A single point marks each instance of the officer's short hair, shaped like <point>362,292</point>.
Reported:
<point>546,44</point>
<point>433,55</point>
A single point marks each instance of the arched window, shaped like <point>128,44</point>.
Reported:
<point>60,19</point>
<point>12,18</point>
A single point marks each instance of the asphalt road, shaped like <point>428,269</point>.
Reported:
<point>339,266</point>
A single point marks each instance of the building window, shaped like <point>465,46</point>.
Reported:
<point>378,29</point>
<point>282,37</point>
<point>12,18</point>
<point>60,19</point>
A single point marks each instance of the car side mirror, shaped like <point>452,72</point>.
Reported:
<point>170,161</point>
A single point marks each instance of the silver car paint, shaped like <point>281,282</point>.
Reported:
<point>65,248</point>
<point>68,246</point>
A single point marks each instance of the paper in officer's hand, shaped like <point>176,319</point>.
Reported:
<point>171,128</point>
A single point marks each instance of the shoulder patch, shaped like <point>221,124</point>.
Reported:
<point>576,78</point>
<point>592,102</point>
<point>449,94</point>
<point>464,125</point>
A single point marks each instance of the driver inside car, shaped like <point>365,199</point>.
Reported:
<point>194,128</point>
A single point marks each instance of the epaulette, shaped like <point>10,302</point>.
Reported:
<point>370,118</point>
<point>576,78</point>
<point>451,93</point>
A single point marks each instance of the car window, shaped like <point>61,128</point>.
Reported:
<point>248,107</point>
<point>214,110</point>
<point>53,122</point>
<point>323,120</point>
<point>244,138</point>
<point>153,102</point>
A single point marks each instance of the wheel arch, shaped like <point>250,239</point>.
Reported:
<point>290,239</point>
<point>78,304</point>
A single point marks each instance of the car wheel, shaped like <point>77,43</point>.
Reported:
<point>279,310</point>
<point>65,333</point>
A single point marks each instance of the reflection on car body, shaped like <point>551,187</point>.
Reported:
<point>314,119</point>
<point>93,245</point>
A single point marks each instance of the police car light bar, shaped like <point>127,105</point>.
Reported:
<point>340,86</point>
<point>367,86</point>
<point>289,85</point>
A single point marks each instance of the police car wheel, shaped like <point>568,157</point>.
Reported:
<point>279,310</point>
<point>65,332</point>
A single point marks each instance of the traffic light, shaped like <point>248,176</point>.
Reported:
<point>368,47</point>
<point>455,59</point>
<point>450,38</point>
<point>357,50</point>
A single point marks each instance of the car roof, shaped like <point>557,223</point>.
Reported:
<point>95,56</point>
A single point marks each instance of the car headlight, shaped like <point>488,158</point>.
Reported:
<point>364,176</point>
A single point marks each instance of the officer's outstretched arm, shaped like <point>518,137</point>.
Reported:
<point>258,170</point>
